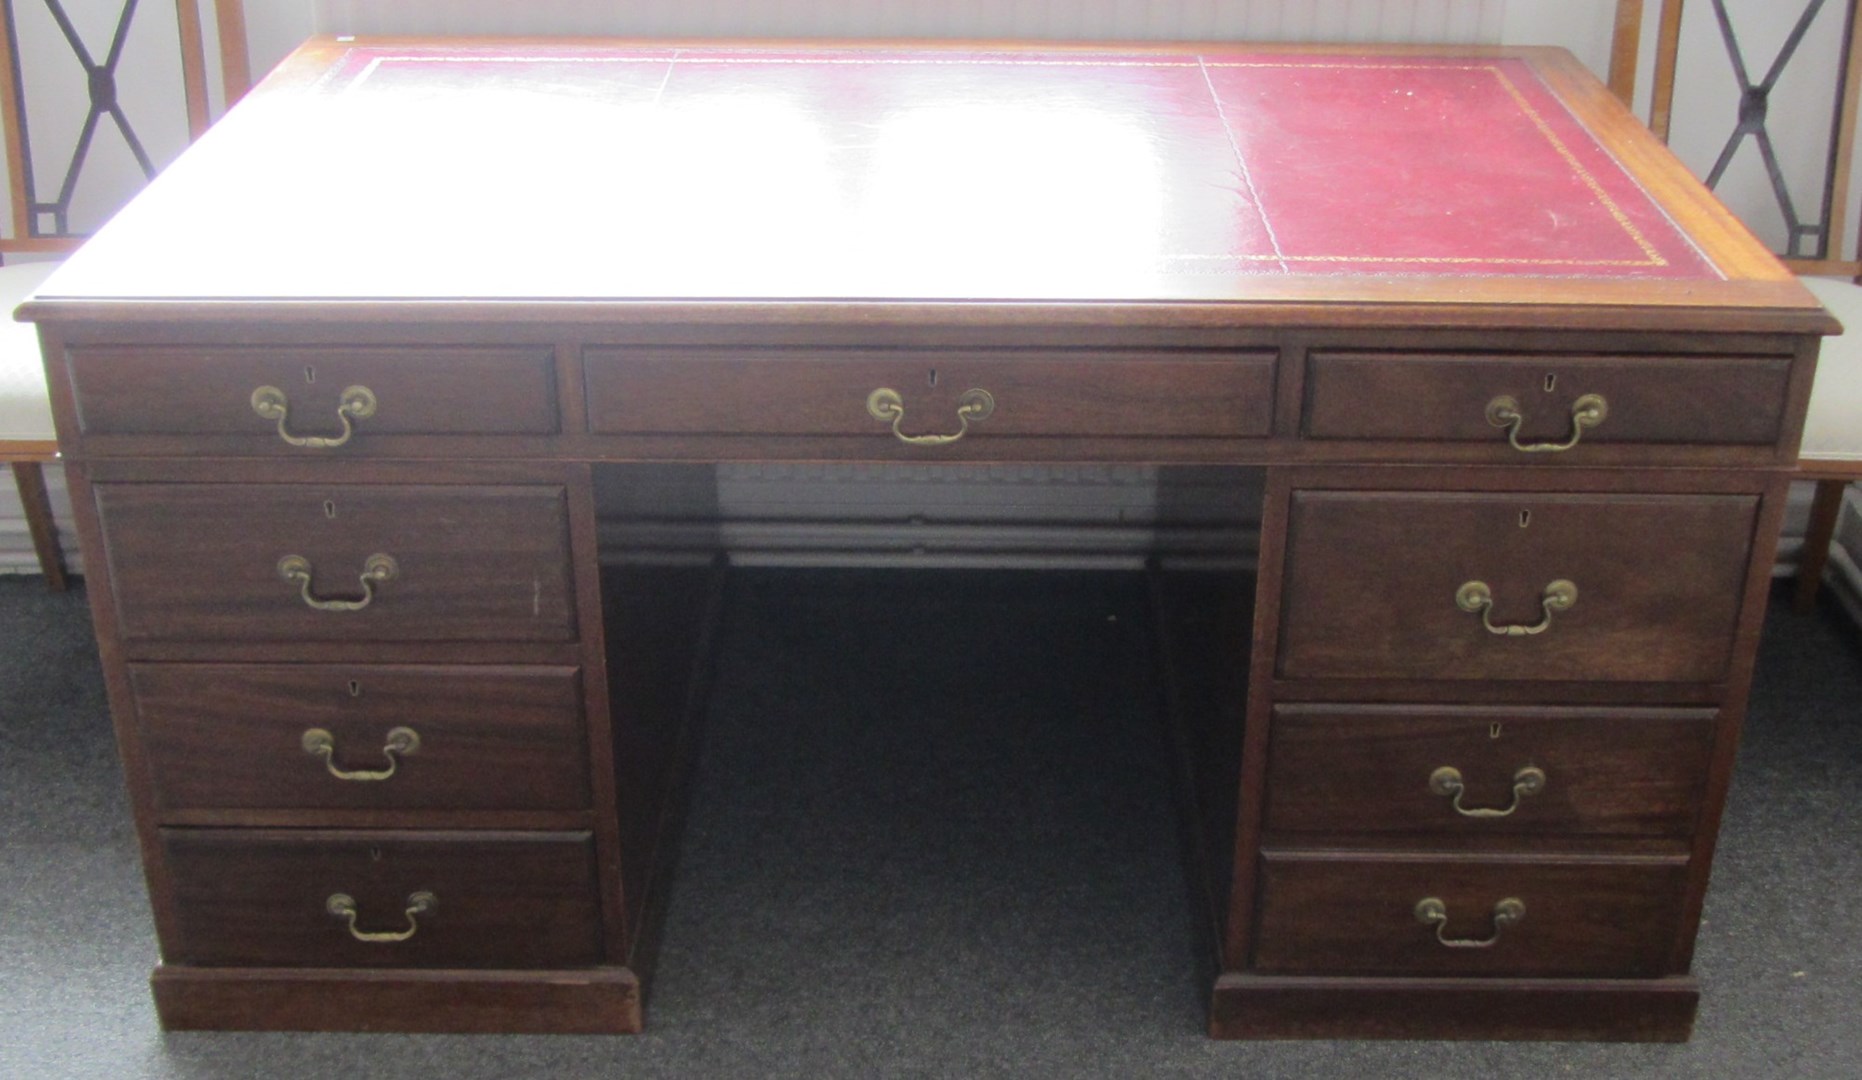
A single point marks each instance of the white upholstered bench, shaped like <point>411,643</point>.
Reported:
<point>27,440</point>
<point>1832,447</point>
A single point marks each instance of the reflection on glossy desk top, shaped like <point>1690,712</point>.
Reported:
<point>583,170</point>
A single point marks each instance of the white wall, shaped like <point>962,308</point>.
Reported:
<point>1358,20</point>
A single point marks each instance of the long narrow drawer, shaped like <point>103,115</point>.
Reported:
<point>313,392</point>
<point>362,736</point>
<point>1399,771</point>
<point>1527,586</point>
<point>360,899</point>
<point>1326,914</point>
<point>1470,398</point>
<point>1215,394</point>
<point>338,562</point>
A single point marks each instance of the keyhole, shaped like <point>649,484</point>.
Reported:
<point>933,377</point>
<point>310,374</point>
<point>1550,382</point>
<point>1525,518</point>
<point>375,854</point>
<point>355,688</point>
<point>329,508</point>
<point>1493,730</point>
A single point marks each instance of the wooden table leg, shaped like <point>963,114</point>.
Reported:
<point>29,476</point>
<point>1818,535</point>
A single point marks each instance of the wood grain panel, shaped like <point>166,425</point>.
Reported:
<point>1363,771</point>
<point>1372,579</point>
<point>581,1001</point>
<point>823,392</point>
<point>502,900</point>
<point>1444,397</point>
<point>1249,1006</point>
<point>200,561</point>
<point>230,736</point>
<point>207,390</point>
<point>1355,915</point>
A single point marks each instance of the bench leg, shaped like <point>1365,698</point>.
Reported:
<point>29,476</point>
<point>1824,510</point>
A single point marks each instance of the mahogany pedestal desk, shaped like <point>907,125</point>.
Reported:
<point>342,391</point>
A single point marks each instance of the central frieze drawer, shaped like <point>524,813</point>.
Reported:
<point>1641,399</point>
<point>274,898</point>
<point>1526,586</point>
<point>1346,772</point>
<point>1348,914</point>
<point>338,562</point>
<point>362,736</point>
<point>210,390</point>
<point>1102,393</point>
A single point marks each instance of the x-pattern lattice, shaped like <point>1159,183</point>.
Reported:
<point>1754,108</point>
<point>101,81</point>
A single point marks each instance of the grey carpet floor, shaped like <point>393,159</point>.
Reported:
<point>936,854</point>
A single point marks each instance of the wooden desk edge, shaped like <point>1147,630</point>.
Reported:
<point>1767,308</point>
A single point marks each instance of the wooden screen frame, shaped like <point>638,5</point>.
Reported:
<point>1848,109</point>
<point>235,80</point>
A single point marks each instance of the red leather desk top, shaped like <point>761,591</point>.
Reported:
<point>1278,164</point>
<point>588,171</point>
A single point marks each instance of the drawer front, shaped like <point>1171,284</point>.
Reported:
<point>277,736</point>
<point>1361,771</point>
<point>1326,915</point>
<point>1646,399</point>
<point>416,391</point>
<point>208,562</point>
<point>1384,585</point>
<point>498,900</point>
<point>802,392</point>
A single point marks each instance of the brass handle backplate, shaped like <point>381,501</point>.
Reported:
<point>355,402</point>
<point>1432,912</point>
<point>1446,781</point>
<point>1586,412</point>
<point>975,405</point>
<point>401,740</point>
<point>1476,597</point>
<point>378,568</point>
<point>343,906</point>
